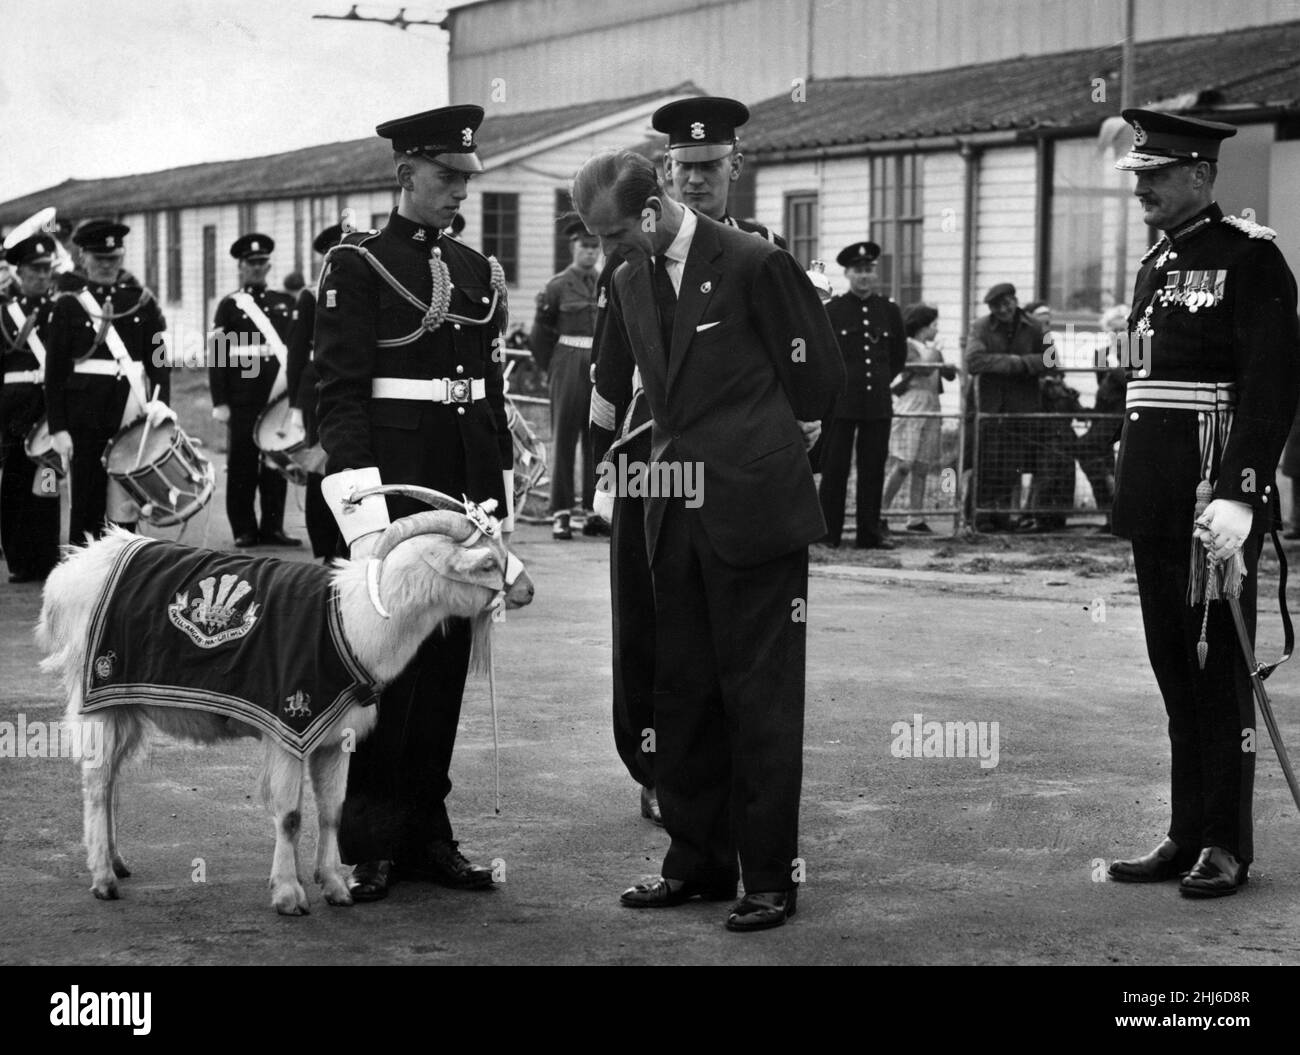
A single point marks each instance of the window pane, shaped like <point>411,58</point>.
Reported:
<point>501,232</point>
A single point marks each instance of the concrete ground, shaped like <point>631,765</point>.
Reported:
<point>908,860</point>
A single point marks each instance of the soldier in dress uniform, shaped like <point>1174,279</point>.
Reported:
<point>1213,364</point>
<point>29,499</point>
<point>702,162</point>
<point>302,380</point>
<point>409,350</point>
<point>869,328</point>
<point>106,359</point>
<point>561,341</point>
<point>244,366</point>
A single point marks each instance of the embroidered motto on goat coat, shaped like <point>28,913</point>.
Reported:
<point>252,638</point>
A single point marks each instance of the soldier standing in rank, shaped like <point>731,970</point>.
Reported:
<point>561,341</point>
<point>869,328</point>
<point>244,366</point>
<point>410,356</point>
<point>29,499</point>
<point>106,359</point>
<point>701,164</point>
<point>302,380</point>
<point>1208,409</point>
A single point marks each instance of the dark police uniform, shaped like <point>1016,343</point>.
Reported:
<point>29,501</point>
<point>85,393</point>
<point>1217,303</point>
<point>246,392</point>
<point>425,406</point>
<point>874,346</point>
<point>615,415</point>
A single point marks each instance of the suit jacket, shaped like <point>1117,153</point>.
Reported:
<point>1006,363</point>
<point>874,345</point>
<point>752,355</point>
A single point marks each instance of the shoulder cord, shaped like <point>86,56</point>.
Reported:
<point>18,342</point>
<point>106,316</point>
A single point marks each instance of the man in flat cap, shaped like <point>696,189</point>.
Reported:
<point>29,497</point>
<point>702,163</point>
<point>873,342</point>
<point>409,350</point>
<point>561,341</point>
<point>1005,358</point>
<point>246,371</point>
<point>106,359</point>
<point>1208,409</point>
<point>302,377</point>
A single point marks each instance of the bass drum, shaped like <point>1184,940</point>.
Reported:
<point>284,444</point>
<point>161,470</point>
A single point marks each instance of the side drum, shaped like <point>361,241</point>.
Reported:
<point>161,470</point>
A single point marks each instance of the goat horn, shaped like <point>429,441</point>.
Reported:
<point>427,495</point>
<point>455,526</point>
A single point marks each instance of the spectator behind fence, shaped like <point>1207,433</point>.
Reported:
<point>1052,492</point>
<point>914,441</point>
<point>1095,449</point>
<point>1004,355</point>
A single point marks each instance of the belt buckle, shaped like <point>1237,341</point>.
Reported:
<point>458,391</point>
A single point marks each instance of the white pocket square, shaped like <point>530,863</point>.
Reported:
<point>706,326</point>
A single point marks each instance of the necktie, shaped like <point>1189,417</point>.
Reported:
<point>666,300</point>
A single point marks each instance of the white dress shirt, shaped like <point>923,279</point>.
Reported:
<point>676,253</point>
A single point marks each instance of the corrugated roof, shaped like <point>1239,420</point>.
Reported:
<point>358,164</point>
<point>1251,67</point>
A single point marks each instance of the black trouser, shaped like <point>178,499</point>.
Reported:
<point>29,522</point>
<point>836,457</point>
<point>1096,457</point>
<point>89,484</point>
<point>1053,489</point>
<point>1209,710</point>
<point>728,710</point>
<point>322,529</point>
<point>248,476</point>
<point>1006,449</point>
<point>570,410</point>
<point>632,599</point>
<point>398,778</point>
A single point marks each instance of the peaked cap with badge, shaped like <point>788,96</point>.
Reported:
<point>1161,139</point>
<point>858,253</point>
<point>100,237</point>
<point>37,248</point>
<point>444,135</point>
<point>700,129</point>
<point>252,247</point>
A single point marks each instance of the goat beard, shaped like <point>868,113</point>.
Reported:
<point>480,655</point>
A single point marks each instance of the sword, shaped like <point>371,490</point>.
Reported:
<point>1261,695</point>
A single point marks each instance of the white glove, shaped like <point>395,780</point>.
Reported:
<point>157,412</point>
<point>1223,527</point>
<point>62,444</point>
<point>221,413</point>
<point>355,522</point>
<point>295,418</point>
<point>811,430</point>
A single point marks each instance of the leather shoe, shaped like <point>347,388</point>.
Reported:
<point>1216,873</point>
<point>370,880</point>
<point>279,538</point>
<point>246,541</point>
<point>763,909</point>
<point>1166,861</point>
<point>441,862</point>
<point>660,893</point>
<point>650,806</point>
<point>877,542</point>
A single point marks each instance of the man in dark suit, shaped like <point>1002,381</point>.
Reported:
<point>408,332</point>
<point>737,359</point>
<point>1213,367</point>
<point>869,328</point>
<point>1005,358</point>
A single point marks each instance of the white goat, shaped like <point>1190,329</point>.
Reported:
<point>426,569</point>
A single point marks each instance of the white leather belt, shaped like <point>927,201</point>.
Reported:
<point>107,367</point>
<point>437,390</point>
<point>1181,395</point>
<point>21,377</point>
<point>574,341</point>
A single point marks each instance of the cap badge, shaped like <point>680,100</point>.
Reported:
<point>1139,135</point>
<point>254,246</point>
<point>862,250</point>
<point>467,137</point>
<point>419,234</point>
<point>110,241</point>
<point>697,130</point>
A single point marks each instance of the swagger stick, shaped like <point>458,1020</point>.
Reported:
<point>1261,695</point>
<point>144,433</point>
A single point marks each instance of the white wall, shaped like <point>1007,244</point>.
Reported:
<point>1006,223</point>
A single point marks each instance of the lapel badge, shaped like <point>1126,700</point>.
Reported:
<point>331,298</point>
<point>419,234</point>
<point>707,287</point>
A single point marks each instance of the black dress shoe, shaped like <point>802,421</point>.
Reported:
<point>370,880</point>
<point>595,526</point>
<point>763,909</point>
<point>1165,862</point>
<point>279,538</point>
<point>875,542</point>
<point>246,541</point>
<point>666,893</point>
<point>650,806</point>
<point>1216,873</point>
<point>441,862</point>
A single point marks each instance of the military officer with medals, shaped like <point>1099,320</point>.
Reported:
<point>1213,367</point>
<point>409,350</point>
<point>106,360</point>
<point>29,496</point>
<point>869,328</point>
<point>702,162</point>
<point>246,359</point>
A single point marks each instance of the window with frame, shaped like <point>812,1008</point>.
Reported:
<point>175,276</point>
<point>151,251</point>
<point>801,226</point>
<point>501,232</point>
<point>897,219</point>
<point>247,217</point>
<point>209,264</point>
<point>563,207</point>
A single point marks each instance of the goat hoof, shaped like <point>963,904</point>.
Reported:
<point>105,890</point>
<point>119,868</point>
<point>290,900</point>
<point>343,900</point>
